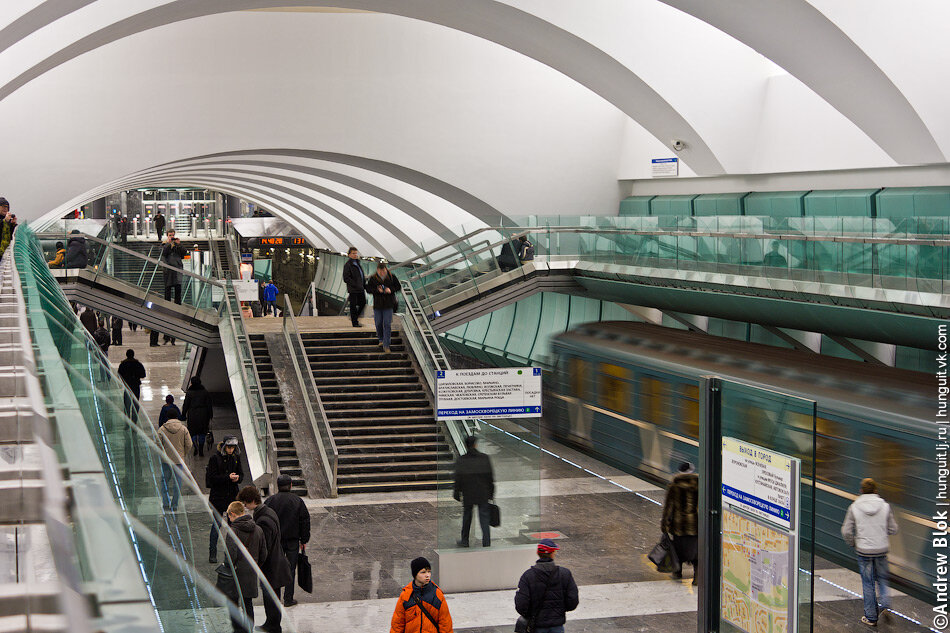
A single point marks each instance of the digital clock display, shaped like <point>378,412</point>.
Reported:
<point>277,242</point>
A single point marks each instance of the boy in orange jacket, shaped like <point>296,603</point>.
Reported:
<point>421,600</point>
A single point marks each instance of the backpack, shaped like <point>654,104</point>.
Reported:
<point>101,336</point>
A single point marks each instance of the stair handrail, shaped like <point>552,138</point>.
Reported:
<point>263,431</point>
<point>329,454</point>
<point>425,346</point>
<point>309,299</point>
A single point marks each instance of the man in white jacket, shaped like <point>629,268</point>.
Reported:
<point>867,524</point>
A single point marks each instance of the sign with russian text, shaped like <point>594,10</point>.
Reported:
<point>665,167</point>
<point>759,481</point>
<point>488,393</point>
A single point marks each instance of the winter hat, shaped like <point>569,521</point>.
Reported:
<point>418,565</point>
<point>230,441</point>
<point>546,546</point>
<point>686,468</point>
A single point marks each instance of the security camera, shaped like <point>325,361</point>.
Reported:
<point>678,145</point>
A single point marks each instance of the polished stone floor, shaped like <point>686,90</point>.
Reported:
<point>361,545</point>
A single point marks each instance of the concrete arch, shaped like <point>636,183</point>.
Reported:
<point>831,65</point>
<point>488,19</point>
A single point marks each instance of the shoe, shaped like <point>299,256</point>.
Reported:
<point>386,349</point>
<point>695,581</point>
<point>677,575</point>
<point>153,344</point>
<point>462,543</point>
<point>357,324</point>
<point>885,614</point>
<point>213,560</point>
<point>289,603</point>
<point>266,629</point>
<point>864,620</point>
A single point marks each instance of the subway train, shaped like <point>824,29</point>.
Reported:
<point>628,394</point>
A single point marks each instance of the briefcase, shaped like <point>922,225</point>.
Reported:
<point>664,555</point>
<point>494,519</point>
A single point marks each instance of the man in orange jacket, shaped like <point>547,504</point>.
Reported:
<point>421,607</point>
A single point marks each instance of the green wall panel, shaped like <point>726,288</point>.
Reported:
<point>635,205</point>
<point>719,204</point>
<point>777,204</point>
<point>524,330</point>
<point>909,202</point>
<point>672,205</point>
<point>841,203</point>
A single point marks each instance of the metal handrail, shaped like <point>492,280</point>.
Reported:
<point>252,389</point>
<point>329,454</point>
<point>425,343</point>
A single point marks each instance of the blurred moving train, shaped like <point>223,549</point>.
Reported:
<point>628,394</point>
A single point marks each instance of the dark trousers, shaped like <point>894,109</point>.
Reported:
<point>117,337</point>
<point>484,516</point>
<point>687,549</point>
<point>131,407</point>
<point>357,305</point>
<point>153,338</point>
<point>291,551</point>
<point>272,621</point>
<point>249,612</point>
<point>168,293</point>
<point>213,541</point>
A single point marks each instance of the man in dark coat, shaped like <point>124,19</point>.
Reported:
<point>355,279</point>
<point>159,225</point>
<point>384,287</point>
<point>546,592</point>
<point>198,411</point>
<point>116,330</point>
<point>252,537</point>
<point>294,528</point>
<point>88,318</point>
<point>681,517</point>
<point>275,567</point>
<point>132,372</point>
<point>76,256</point>
<point>173,255</point>
<point>222,476</point>
<point>474,485</point>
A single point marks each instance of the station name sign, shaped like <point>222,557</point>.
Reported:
<point>277,242</point>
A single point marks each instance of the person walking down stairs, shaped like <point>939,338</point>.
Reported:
<point>383,286</point>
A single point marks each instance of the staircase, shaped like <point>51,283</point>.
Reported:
<point>287,460</point>
<point>381,419</point>
<point>221,252</point>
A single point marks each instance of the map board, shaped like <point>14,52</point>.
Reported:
<point>488,393</point>
<point>760,496</point>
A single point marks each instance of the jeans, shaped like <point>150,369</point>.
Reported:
<point>551,629</point>
<point>291,551</point>
<point>484,516</point>
<point>357,305</point>
<point>384,324</point>
<point>270,307</point>
<point>171,486</point>
<point>873,571</point>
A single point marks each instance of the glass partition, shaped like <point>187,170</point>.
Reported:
<point>511,446</point>
<point>763,572</point>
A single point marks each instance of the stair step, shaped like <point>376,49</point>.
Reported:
<point>382,447</point>
<point>393,486</point>
<point>380,420</point>
<point>358,467</point>
<point>373,348</point>
<point>398,476</point>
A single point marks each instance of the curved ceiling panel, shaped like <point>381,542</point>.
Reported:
<point>493,21</point>
<point>799,38</point>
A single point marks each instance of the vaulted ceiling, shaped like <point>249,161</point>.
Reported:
<point>386,122</point>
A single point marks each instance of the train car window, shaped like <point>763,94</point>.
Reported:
<point>831,452</point>
<point>614,387</point>
<point>655,401</point>
<point>577,377</point>
<point>688,411</point>
<point>901,476</point>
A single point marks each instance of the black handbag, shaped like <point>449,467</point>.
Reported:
<point>304,573</point>
<point>494,518</point>
<point>664,555</point>
<point>226,583</point>
<point>209,440</point>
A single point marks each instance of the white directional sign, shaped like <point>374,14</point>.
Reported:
<point>488,393</point>
<point>760,482</point>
